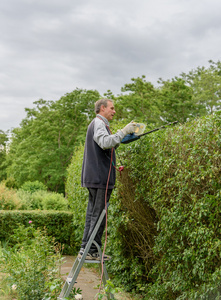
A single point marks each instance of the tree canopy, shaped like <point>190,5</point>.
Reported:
<point>42,147</point>
<point>3,144</point>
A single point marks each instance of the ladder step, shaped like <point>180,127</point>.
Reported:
<point>90,261</point>
<point>69,280</point>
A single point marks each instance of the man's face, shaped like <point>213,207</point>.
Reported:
<point>108,112</point>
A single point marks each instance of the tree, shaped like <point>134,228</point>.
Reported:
<point>42,147</point>
<point>206,85</point>
<point>177,101</point>
<point>140,102</point>
<point>3,152</point>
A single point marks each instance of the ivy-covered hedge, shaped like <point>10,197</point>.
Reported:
<point>164,230</point>
<point>58,224</point>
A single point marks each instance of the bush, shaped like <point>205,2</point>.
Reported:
<point>42,200</point>
<point>11,183</point>
<point>32,265</point>
<point>8,198</point>
<point>25,200</point>
<point>33,186</point>
<point>55,201</point>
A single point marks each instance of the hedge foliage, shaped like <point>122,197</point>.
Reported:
<point>164,230</point>
<point>176,177</point>
<point>77,197</point>
<point>58,224</point>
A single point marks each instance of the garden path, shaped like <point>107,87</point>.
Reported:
<point>88,279</point>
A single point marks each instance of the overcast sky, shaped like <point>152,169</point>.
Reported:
<point>50,47</point>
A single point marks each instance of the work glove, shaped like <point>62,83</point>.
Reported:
<point>129,128</point>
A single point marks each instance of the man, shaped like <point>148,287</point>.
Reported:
<point>98,174</point>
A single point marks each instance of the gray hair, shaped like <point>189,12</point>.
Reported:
<point>100,102</point>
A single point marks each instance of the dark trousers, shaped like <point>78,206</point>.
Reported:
<point>96,204</point>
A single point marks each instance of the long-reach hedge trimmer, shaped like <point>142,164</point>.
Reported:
<point>135,136</point>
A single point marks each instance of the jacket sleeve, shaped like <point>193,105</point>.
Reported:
<point>103,138</point>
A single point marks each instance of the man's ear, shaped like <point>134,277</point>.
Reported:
<point>102,108</point>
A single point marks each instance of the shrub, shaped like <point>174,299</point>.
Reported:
<point>32,265</point>
<point>42,200</point>
<point>54,201</point>
<point>11,183</point>
<point>33,186</point>
<point>8,198</point>
<point>31,201</point>
<point>25,200</point>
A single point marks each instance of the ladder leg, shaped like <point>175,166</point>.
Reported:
<point>70,281</point>
<point>75,270</point>
<point>105,277</point>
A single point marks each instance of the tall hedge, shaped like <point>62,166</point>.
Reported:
<point>174,208</point>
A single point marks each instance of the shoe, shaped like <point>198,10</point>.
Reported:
<point>80,253</point>
<point>96,256</point>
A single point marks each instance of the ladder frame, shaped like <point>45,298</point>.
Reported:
<point>75,270</point>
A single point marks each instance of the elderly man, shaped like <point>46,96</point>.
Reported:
<point>98,172</point>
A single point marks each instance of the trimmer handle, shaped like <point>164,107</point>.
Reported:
<point>130,138</point>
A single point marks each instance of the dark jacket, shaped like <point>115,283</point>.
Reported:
<point>97,161</point>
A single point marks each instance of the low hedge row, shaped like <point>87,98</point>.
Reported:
<point>58,224</point>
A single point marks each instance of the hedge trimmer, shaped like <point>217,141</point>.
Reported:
<point>139,132</point>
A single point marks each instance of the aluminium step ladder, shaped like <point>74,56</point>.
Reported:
<point>75,270</point>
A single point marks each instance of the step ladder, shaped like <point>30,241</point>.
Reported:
<point>75,270</point>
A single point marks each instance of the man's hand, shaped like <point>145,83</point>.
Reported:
<point>129,128</point>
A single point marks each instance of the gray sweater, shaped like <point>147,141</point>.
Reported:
<point>97,155</point>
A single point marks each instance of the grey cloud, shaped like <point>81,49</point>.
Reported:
<point>48,48</point>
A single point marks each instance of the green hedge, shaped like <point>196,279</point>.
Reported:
<point>171,195</point>
<point>58,224</point>
<point>76,195</point>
